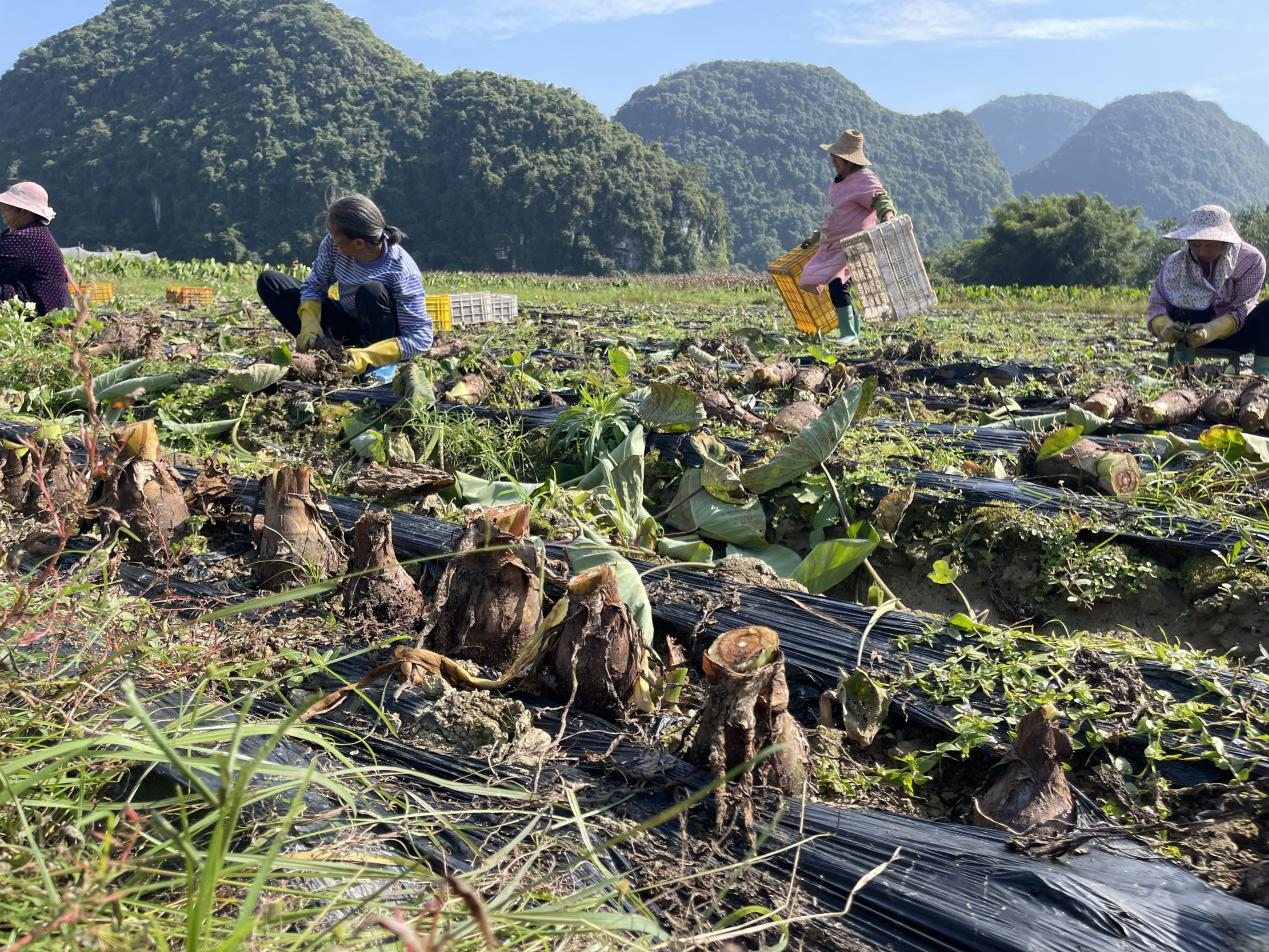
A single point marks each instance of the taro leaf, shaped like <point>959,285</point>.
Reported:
<point>822,355</point>
<point>207,428</point>
<point>1076,415</point>
<point>621,496</point>
<point>865,704</point>
<point>1028,424</point>
<point>282,355</point>
<point>813,444</point>
<point>619,360</point>
<point>101,382</point>
<point>485,492</point>
<point>369,446</point>
<point>1233,443</point>
<point>1063,439</point>
<point>669,408</point>
<point>633,444</point>
<point>590,551</point>
<point>708,446</point>
<point>694,509</point>
<point>943,573</point>
<point>255,378</point>
<point>415,389</point>
<point>357,423</point>
<point>686,549</point>
<point>723,482</point>
<point>135,387</point>
<point>783,560</point>
<point>832,561</point>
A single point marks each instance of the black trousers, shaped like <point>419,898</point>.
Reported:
<point>839,292</point>
<point>1251,338</point>
<point>375,318</point>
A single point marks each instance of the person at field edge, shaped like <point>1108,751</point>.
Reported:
<point>1205,294</point>
<point>380,315</point>
<point>856,199</point>
<point>31,265</point>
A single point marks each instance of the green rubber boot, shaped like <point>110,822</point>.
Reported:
<point>848,324</point>
<point>1260,365</point>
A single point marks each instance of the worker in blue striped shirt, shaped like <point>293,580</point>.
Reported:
<point>380,315</point>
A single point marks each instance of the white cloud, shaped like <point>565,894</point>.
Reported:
<point>974,21</point>
<point>500,19</point>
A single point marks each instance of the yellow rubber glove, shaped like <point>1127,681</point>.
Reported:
<point>1202,334</point>
<point>379,354</point>
<point>310,325</point>
<point>1166,329</point>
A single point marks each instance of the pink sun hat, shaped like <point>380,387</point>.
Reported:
<point>30,198</point>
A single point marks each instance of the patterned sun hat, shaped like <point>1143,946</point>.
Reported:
<point>1208,223</point>
<point>30,198</point>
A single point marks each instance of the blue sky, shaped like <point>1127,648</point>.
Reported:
<point>911,55</point>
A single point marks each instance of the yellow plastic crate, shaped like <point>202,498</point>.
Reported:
<point>97,293</point>
<point>812,313</point>
<point>189,296</point>
<point>438,309</point>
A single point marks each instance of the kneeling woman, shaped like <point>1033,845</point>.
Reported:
<point>1205,294</point>
<point>380,313</point>
<point>31,264</point>
<point>856,199</point>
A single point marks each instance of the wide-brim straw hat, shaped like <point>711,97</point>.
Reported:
<point>30,198</point>
<point>849,146</point>
<point>1208,223</point>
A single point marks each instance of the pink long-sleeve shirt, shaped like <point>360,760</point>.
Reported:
<point>1236,297</point>
<point>849,211</point>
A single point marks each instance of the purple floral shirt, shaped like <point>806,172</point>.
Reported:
<point>1236,294</point>
<point>32,269</point>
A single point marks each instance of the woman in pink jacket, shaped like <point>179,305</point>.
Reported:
<point>856,200</point>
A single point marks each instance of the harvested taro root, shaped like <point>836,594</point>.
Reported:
<point>1176,406</point>
<point>771,376</point>
<point>332,348</point>
<point>1221,407</point>
<point>722,406</point>
<point>34,479</point>
<point>811,379</point>
<point>747,709</point>
<point>378,589</point>
<point>128,337</point>
<point>316,366</point>
<point>1253,407</point>
<point>211,494</point>
<point>840,375</point>
<point>469,390</point>
<point>1027,790</point>
<point>140,499</point>
<point>400,479</point>
<point>599,647</point>
<point>489,600</point>
<point>1086,463</point>
<point>292,541</point>
<point>1111,400</point>
<point>794,418</point>
<point>17,476</point>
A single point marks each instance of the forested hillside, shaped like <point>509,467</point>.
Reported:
<point>223,127</point>
<point>1028,129</point>
<point>756,129</point>
<point>1166,152</point>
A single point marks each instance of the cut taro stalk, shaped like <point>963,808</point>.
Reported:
<point>1221,407</point>
<point>400,479</point>
<point>1111,400</point>
<point>723,407</point>
<point>292,541</point>
<point>1027,790</point>
<point>778,373</point>
<point>140,499</point>
<point>1176,406</point>
<point>795,417</point>
<point>211,494</point>
<point>1253,407</point>
<point>489,599</point>
<point>1086,463</point>
<point>65,486</point>
<point>745,711</point>
<point>17,476</point>
<point>841,375</point>
<point>378,589</point>
<point>599,647</point>
<point>811,379</point>
<point>470,390</point>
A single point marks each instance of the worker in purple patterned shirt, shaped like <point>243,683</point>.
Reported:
<point>1205,294</point>
<point>31,264</point>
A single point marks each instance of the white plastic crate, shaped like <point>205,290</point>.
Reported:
<point>472,308</point>
<point>888,273</point>
<point>506,307</point>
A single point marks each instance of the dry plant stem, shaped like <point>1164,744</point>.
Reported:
<point>746,711</point>
<point>293,544</point>
<point>1117,474</point>
<point>141,494</point>
<point>1176,406</point>
<point>378,589</point>
<point>489,600</point>
<point>599,650</point>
